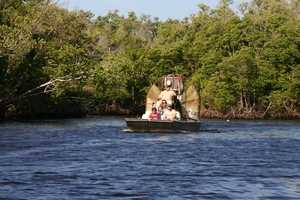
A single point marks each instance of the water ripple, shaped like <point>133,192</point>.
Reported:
<point>93,158</point>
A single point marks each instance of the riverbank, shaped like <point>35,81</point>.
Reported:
<point>139,111</point>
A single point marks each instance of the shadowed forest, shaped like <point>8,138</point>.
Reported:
<point>58,63</point>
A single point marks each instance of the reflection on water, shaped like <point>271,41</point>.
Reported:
<point>93,158</point>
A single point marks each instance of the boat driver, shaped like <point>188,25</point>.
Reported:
<point>167,95</point>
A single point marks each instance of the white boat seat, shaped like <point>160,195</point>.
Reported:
<point>146,115</point>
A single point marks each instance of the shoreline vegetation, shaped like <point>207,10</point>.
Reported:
<point>56,63</point>
<point>204,114</point>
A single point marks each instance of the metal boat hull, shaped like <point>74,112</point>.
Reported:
<point>161,126</point>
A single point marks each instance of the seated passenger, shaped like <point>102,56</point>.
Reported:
<point>154,114</point>
<point>169,114</point>
<point>164,105</point>
<point>160,112</point>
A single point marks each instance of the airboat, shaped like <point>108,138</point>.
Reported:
<point>186,104</point>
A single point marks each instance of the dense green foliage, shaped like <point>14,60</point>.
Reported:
<point>58,63</point>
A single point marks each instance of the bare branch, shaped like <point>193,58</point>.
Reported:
<point>49,87</point>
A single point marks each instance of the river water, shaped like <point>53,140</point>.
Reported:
<point>93,158</point>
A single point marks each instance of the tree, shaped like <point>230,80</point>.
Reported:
<point>37,39</point>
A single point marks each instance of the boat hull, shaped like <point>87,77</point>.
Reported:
<point>161,126</point>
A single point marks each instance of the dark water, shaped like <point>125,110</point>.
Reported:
<point>93,158</point>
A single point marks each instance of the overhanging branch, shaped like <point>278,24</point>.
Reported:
<point>49,87</point>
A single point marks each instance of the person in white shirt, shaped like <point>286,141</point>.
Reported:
<point>167,95</point>
<point>169,114</point>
